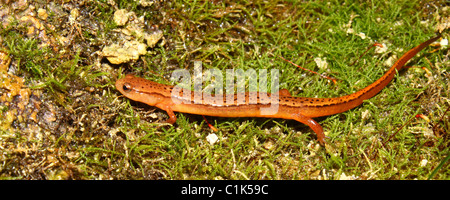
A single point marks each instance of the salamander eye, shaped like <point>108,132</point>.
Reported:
<point>126,87</point>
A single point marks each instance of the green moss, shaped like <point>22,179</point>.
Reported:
<point>98,134</point>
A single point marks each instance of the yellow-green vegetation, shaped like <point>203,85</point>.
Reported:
<point>73,124</point>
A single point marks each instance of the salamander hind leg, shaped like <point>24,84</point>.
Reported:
<point>313,125</point>
<point>284,92</point>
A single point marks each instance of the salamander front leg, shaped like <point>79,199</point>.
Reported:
<point>172,117</point>
<point>313,125</point>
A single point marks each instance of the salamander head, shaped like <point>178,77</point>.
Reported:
<point>139,89</point>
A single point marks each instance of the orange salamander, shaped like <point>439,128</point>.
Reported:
<point>301,109</point>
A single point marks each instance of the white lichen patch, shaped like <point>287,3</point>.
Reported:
<point>136,38</point>
<point>153,38</point>
<point>42,13</point>
<point>390,61</point>
<point>130,51</point>
<point>361,35</point>
<point>212,138</point>
<point>381,50</point>
<point>145,3</point>
<point>321,63</point>
<point>423,162</point>
<point>444,43</point>
<point>343,176</point>
<point>121,17</point>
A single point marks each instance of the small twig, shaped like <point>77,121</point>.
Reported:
<point>373,45</point>
<point>323,76</point>
<point>398,131</point>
